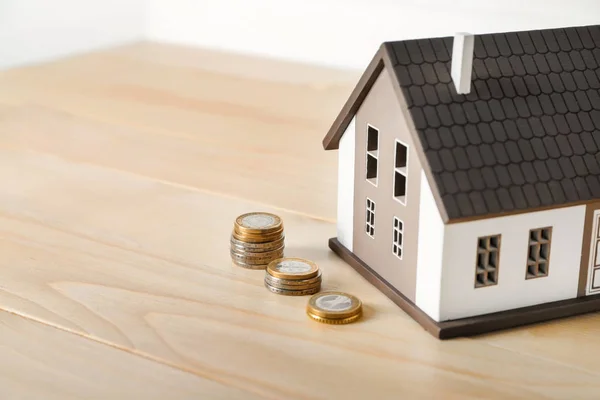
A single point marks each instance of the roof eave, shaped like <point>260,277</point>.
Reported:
<point>331,141</point>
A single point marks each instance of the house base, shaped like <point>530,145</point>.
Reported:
<point>472,325</point>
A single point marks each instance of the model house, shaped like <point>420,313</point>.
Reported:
<point>469,177</point>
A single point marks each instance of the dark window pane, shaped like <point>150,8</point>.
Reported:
<point>399,184</point>
<point>481,260</point>
<point>371,167</point>
<point>544,250</point>
<point>494,242</point>
<point>534,235</point>
<point>401,155</point>
<point>482,243</point>
<point>546,233</point>
<point>493,259</point>
<point>372,139</point>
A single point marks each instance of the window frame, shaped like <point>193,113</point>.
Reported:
<point>374,154</point>
<point>368,224</point>
<point>398,244</point>
<point>538,243</point>
<point>401,171</point>
<point>486,252</point>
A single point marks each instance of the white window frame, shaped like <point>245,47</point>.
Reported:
<point>402,171</point>
<point>374,154</point>
<point>398,232</point>
<point>370,226</point>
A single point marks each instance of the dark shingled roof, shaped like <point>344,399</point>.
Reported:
<point>528,133</point>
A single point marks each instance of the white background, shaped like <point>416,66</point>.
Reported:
<point>342,33</point>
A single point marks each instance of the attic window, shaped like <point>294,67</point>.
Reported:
<point>400,171</point>
<point>372,154</point>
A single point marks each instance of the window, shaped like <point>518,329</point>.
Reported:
<point>372,154</point>
<point>398,233</point>
<point>538,255</point>
<point>370,216</point>
<point>400,172</point>
<point>488,259</point>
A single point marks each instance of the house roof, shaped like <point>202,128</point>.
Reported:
<point>527,136</point>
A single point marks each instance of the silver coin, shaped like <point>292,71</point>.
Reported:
<point>249,266</point>
<point>295,267</point>
<point>244,250</point>
<point>258,221</point>
<point>286,292</point>
<point>252,259</point>
<point>334,302</point>
<point>288,282</point>
<point>261,246</point>
<point>293,288</point>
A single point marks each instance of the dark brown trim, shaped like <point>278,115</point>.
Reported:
<point>472,325</point>
<point>366,82</point>
<point>585,247</point>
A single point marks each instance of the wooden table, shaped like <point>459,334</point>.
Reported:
<point>122,172</point>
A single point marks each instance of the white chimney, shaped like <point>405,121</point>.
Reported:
<point>462,61</point>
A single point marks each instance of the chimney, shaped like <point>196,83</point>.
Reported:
<point>462,62</point>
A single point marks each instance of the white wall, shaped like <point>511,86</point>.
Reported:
<point>342,33</point>
<point>345,209</point>
<point>430,253</point>
<point>32,31</point>
<point>347,32</point>
<point>460,299</point>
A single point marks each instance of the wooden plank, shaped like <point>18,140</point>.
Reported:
<point>41,362</point>
<point>145,266</point>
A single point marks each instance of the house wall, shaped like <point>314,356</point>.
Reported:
<point>459,297</point>
<point>345,206</point>
<point>382,109</point>
<point>430,253</point>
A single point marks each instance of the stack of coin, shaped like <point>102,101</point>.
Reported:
<point>334,308</point>
<point>293,277</point>
<point>257,239</point>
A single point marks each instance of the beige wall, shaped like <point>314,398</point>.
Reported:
<point>382,110</point>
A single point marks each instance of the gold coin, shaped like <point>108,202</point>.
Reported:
<point>258,223</point>
<point>285,292</point>
<point>292,268</point>
<point>302,287</point>
<point>334,305</point>
<point>287,282</point>
<point>257,247</point>
<point>248,266</point>
<point>258,238</point>
<point>335,321</point>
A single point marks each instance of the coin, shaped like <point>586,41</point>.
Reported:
<point>257,247</point>
<point>249,266</point>
<point>258,223</point>
<point>257,238</point>
<point>334,305</point>
<point>288,282</point>
<point>251,258</point>
<point>292,268</point>
<point>335,321</point>
<point>286,292</point>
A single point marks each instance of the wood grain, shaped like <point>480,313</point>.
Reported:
<point>225,129</point>
<point>114,229</point>
<point>41,362</point>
